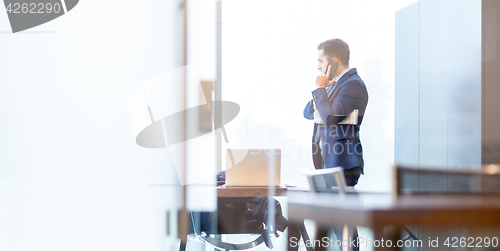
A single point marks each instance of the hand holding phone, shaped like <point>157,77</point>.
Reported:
<point>334,65</point>
<point>323,80</point>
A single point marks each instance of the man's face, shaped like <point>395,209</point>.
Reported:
<point>322,61</point>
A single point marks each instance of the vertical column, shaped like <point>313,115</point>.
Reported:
<point>434,78</point>
<point>183,215</point>
<point>407,86</point>
<point>464,84</point>
<point>491,77</point>
<point>450,84</point>
<point>218,90</point>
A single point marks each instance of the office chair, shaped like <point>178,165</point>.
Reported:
<point>330,180</point>
<point>424,180</point>
<point>326,180</point>
<point>233,216</point>
<point>485,181</point>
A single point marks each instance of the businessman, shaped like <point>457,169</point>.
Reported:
<point>336,141</point>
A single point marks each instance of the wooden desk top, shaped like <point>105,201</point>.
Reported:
<point>248,191</point>
<point>377,210</point>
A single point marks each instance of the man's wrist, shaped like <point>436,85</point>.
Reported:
<point>318,93</point>
<point>320,87</point>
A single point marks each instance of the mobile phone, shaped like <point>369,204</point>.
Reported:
<point>334,64</point>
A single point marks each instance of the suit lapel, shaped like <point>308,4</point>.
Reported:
<point>341,80</point>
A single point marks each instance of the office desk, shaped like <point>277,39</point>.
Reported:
<point>378,211</point>
<point>249,191</point>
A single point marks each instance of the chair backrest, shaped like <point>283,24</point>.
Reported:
<point>326,180</point>
<point>424,180</point>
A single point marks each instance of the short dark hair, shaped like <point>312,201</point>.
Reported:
<point>336,48</point>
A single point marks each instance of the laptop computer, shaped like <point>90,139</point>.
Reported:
<point>251,167</point>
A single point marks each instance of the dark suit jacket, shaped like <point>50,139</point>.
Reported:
<point>341,143</point>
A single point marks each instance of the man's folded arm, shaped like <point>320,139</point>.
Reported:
<point>334,112</point>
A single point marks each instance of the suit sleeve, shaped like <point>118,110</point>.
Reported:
<point>309,110</point>
<point>346,101</point>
